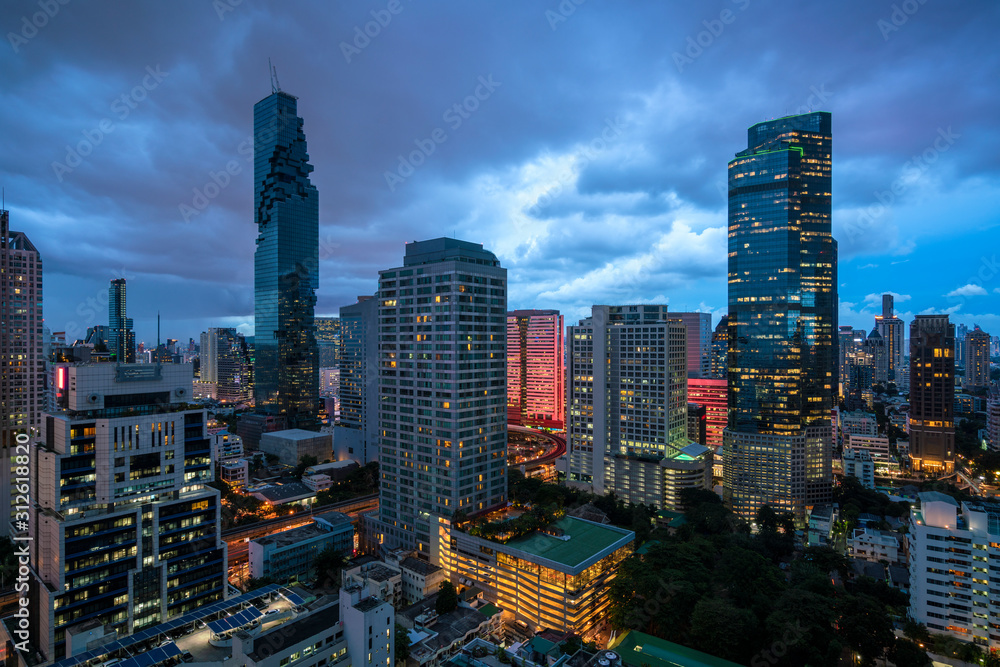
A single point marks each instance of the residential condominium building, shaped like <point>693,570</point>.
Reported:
<point>713,395</point>
<point>442,388</point>
<point>121,337</point>
<point>126,530</point>
<point>955,566</point>
<point>22,353</point>
<point>557,578</point>
<point>290,554</point>
<point>858,464</point>
<point>699,343</point>
<point>328,339</point>
<point>225,365</point>
<point>977,359</point>
<point>286,266</point>
<point>891,330</point>
<point>356,435</point>
<point>782,319</point>
<point>536,395</point>
<point>993,418</point>
<point>932,394</point>
<point>627,407</point>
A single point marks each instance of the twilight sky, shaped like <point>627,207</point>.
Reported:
<point>592,162</point>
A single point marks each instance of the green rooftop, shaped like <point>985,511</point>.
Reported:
<point>586,540</point>
<point>637,649</point>
<point>489,611</point>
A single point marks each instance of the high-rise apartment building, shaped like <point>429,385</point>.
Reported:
<point>977,359</point>
<point>225,365</point>
<point>536,373</point>
<point>960,332</point>
<point>845,337</point>
<point>719,365</point>
<point>783,318</point>
<point>699,343</point>
<point>356,434</point>
<point>286,266</point>
<point>714,396</point>
<point>22,356</point>
<point>878,352</point>
<point>126,532</point>
<point>121,337</point>
<point>626,425</point>
<point>442,388</point>
<point>932,394</point>
<point>891,328</point>
<point>993,418</point>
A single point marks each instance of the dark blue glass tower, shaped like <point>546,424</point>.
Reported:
<point>286,266</point>
<point>782,317</point>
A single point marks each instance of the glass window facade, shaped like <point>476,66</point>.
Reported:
<point>286,266</point>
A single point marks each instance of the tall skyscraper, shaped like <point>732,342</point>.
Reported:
<point>782,318</point>
<point>699,342</point>
<point>891,329</point>
<point>712,394</point>
<point>876,349</point>
<point>932,394</point>
<point>627,415</point>
<point>960,332</point>
<point>286,266</point>
<point>720,350</point>
<point>225,365</point>
<point>328,340</point>
<point>356,434</point>
<point>126,530</point>
<point>977,359</point>
<point>22,356</point>
<point>121,337</point>
<point>442,388</point>
<point>536,394</point>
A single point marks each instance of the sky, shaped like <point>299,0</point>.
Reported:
<point>588,147</point>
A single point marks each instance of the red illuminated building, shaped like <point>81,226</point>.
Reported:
<point>536,394</point>
<point>711,393</point>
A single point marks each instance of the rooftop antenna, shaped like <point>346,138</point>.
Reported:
<point>273,71</point>
<point>157,328</point>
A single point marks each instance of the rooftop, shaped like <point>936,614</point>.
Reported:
<point>637,649</point>
<point>288,537</point>
<point>296,631</point>
<point>419,566</point>
<point>287,491</point>
<point>295,434</point>
<point>581,540</point>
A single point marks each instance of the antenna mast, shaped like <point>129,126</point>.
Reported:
<point>273,71</point>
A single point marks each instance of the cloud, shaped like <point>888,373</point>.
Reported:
<point>875,299</point>
<point>968,290</point>
<point>868,266</point>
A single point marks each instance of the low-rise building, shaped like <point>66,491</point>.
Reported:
<point>226,446</point>
<point>555,578</point>
<point>290,554</point>
<point>821,521</point>
<point>285,493</point>
<point>858,423</point>
<point>384,580</point>
<point>338,471</point>
<point>235,473</point>
<point>292,444</point>
<point>420,579</point>
<point>875,445</point>
<point>873,545</point>
<point>434,638</point>
<point>317,482</point>
<point>858,463</point>
<point>954,566</point>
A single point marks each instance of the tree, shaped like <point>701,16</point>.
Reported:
<point>865,627</point>
<point>402,644</point>
<point>306,461</point>
<point>447,599</point>
<point>719,628</point>
<point>906,652</point>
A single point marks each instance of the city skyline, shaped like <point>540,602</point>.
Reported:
<point>640,218</point>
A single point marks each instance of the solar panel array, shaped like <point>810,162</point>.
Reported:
<point>129,643</point>
<point>292,597</point>
<point>236,621</point>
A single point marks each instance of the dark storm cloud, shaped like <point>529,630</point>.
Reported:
<point>579,214</point>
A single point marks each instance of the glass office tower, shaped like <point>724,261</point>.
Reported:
<point>782,318</point>
<point>286,266</point>
<point>121,337</point>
